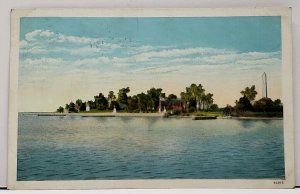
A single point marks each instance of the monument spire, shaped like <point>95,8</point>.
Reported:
<point>264,85</point>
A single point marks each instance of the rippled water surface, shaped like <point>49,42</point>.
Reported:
<point>83,148</point>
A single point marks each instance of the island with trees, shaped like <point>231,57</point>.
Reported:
<point>194,101</point>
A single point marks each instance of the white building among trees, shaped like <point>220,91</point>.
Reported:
<point>87,107</point>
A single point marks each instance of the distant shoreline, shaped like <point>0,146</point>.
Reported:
<point>107,114</point>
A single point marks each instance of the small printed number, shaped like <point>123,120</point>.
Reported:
<point>278,182</point>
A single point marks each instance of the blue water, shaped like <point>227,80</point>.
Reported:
<point>88,148</point>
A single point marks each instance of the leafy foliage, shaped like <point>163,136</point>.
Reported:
<point>101,102</point>
<point>123,98</point>
<point>60,109</point>
<point>249,93</point>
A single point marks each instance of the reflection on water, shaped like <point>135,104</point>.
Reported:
<point>83,148</point>
<point>247,123</point>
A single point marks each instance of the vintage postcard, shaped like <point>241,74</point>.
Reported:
<point>151,98</point>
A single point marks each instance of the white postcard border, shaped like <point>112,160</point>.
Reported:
<point>287,92</point>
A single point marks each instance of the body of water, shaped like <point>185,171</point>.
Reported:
<point>90,148</point>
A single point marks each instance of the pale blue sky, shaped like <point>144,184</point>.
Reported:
<point>63,59</point>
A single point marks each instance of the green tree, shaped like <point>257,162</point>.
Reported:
<point>154,95</point>
<point>228,110</point>
<point>199,95</point>
<point>67,106</point>
<point>111,97</point>
<point>243,104</point>
<point>278,105</point>
<point>101,102</point>
<point>185,99</point>
<point>60,109</point>
<point>171,97</point>
<point>214,107</point>
<point>133,103</point>
<point>122,97</point>
<point>249,93</point>
<point>207,101</point>
<point>143,102</point>
<point>91,104</point>
<point>78,102</point>
<point>72,107</point>
<point>196,93</point>
<point>80,105</point>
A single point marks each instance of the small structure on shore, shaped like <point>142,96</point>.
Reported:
<point>114,110</point>
<point>66,110</point>
<point>87,107</point>
<point>161,101</point>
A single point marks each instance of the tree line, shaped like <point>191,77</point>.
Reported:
<point>192,99</point>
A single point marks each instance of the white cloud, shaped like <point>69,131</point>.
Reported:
<point>80,40</point>
<point>30,36</point>
<point>46,33</point>
<point>45,42</point>
<point>178,53</point>
<point>49,36</point>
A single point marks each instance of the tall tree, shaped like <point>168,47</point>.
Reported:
<point>199,95</point>
<point>196,93</point>
<point>111,97</point>
<point>185,99</point>
<point>122,97</point>
<point>60,109</point>
<point>72,107</point>
<point>143,101</point>
<point>249,93</point>
<point>80,105</point>
<point>133,103</point>
<point>207,101</point>
<point>155,94</point>
<point>78,102</point>
<point>101,102</point>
